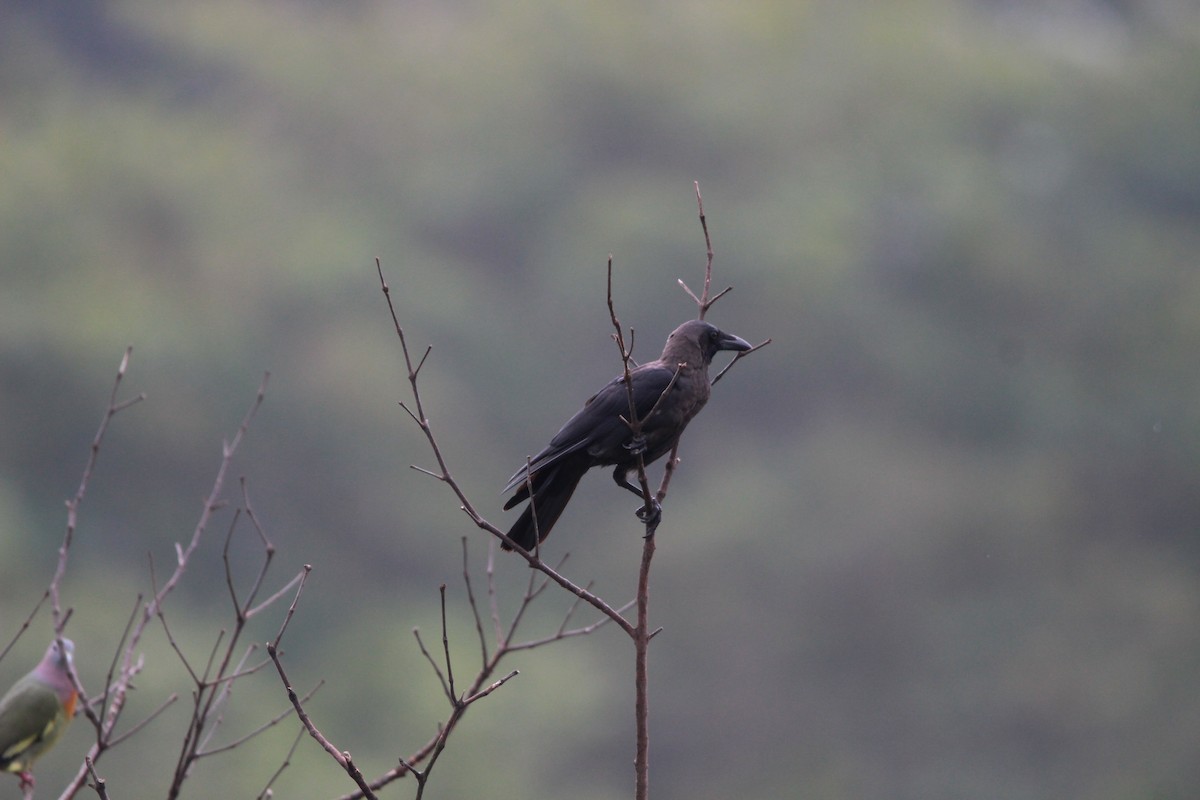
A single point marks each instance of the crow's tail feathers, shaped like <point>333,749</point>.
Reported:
<point>552,489</point>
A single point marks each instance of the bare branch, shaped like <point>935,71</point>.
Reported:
<point>343,759</point>
<point>474,607</point>
<point>704,302</point>
<point>690,293</point>
<point>490,688</point>
<point>424,471</point>
<point>564,633</point>
<point>634,423</point>
<point>170,636</point>
<point>283,590</point>
<point>287,762</point>
<point>446,647</point>
<point>493,599</point>
<point>25,625</point>
<point>213,501</point>
<point>228,567</point>
<point>532,589</point>
<point>109,685</point>
<point>243,611</point>
<point>272,722</point>
<point>641,641</point>
<point>116,740</point>
<point>97,782</point>
<point>436,669</point>
<point>738,358</point>
<point>421,363</point>
<point>60,617</point>
<point>303,576</point>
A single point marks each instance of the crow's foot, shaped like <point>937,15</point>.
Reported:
<point>650,516</point>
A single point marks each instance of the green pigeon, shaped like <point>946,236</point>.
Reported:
<point>36,710</point>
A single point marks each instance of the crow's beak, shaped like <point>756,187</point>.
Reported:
<point>727,341</point>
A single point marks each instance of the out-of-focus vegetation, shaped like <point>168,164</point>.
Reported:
<point>940,540</point>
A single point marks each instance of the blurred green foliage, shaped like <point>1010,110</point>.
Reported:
<point>939,540</point>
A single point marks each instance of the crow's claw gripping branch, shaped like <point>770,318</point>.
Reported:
<point>650,516</point>
<point>637,445</point>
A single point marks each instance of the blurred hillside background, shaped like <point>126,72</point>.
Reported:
<point>938,541</point>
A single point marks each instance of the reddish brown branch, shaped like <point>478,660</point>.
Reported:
<point>641,642</point>
<point>287,762</point>
<point>98,783</point>
<point>483,684</point>
<point>634,423</point>
<point>342,759</point>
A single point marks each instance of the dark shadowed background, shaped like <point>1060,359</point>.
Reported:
<point>938,541</point>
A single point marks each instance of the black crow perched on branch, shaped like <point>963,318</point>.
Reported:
<point>667,393</point>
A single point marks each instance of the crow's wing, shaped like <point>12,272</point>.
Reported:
<point>598,426</point>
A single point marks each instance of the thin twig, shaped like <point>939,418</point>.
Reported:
<point>98,783</point>
<point>493,598</point>
<point>446,647</point>
<point>564,633</point>
<point>482,685</point>
<point>474,607</point>
<point>342,758</point>
<point>24,626</point>
<point>214,686</point>
<point>436,669</point>
<point>303,576</point>
<point>287,587</point>
<point>738,358</point>
<point>53,590</point>
<point>272,722</point>
<point>114,407</point>
<point>116,740</point>
<point>484,692</point>
<point>634,422</point>
<point>287,762</point>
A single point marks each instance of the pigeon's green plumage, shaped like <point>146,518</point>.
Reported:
<point>36,710</point>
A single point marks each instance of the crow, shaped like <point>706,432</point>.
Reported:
<point>675,386</point>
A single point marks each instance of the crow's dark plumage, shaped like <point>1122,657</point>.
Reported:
<point>597,437</point>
